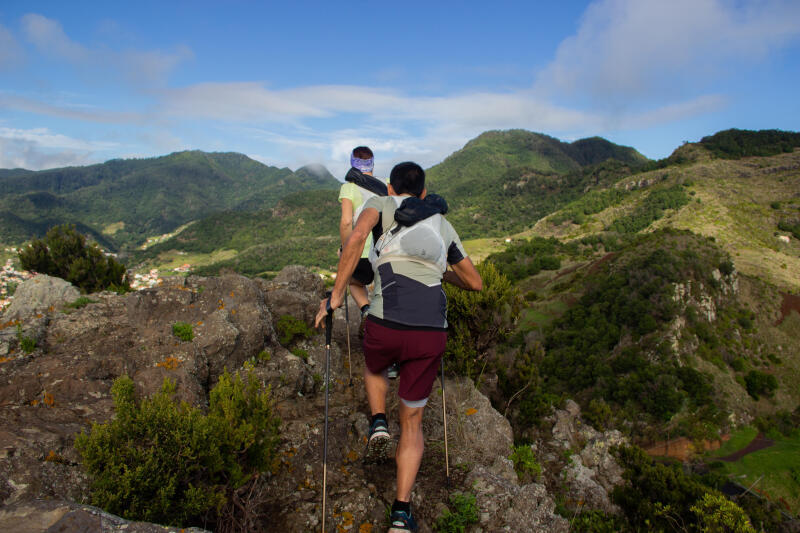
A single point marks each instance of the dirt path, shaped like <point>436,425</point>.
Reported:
<point>791,302</point>
<point>758,443</point>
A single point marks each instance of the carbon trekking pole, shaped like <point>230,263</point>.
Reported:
<point>328,327</point>
<point>347,321</point>
<point>444,417</point>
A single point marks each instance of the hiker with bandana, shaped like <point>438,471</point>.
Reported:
<point>360,185</point>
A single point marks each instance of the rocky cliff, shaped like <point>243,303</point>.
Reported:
<point>56,387</point>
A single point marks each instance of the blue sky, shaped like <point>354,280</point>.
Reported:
<point>294,83</point>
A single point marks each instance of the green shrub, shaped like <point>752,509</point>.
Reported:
<point>525,463</point>
<point>790,225</point>
<point>717,514</point>
<point>26,344</point>
<point>598,414</point>
<point>596,521</point>
<point>11,288</point>
<point>162,461</point>
<point>735,143</point>
<point>64,253</point>
<point>81,302</point>
<point>738,364</point>
<point>290,328</point>
<point>651,209</point>
<point>656,495</point>
<point>301,353</point>
<point>183,331</point>
<point>463,511</point>
<point>759,383</point>
<point>479,320</point>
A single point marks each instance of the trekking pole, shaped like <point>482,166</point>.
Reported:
<point>347,321</point>
<point>444,417</point>
<point>328,327</point>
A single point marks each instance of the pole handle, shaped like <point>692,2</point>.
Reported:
<point>328,320</point>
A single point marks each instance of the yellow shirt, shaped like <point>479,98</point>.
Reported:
<point>353,193</point>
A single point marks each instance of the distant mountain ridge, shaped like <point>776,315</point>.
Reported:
<point>500,182</point>
<point>135,198</point>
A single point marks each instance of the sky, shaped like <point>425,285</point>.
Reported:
<point>297,83</point>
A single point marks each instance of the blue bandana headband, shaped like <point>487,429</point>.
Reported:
<point>364,165</point>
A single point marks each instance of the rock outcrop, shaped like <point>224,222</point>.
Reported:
<point>61,387</point>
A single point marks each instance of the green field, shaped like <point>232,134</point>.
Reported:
<point>739,439</point>
<point>773,472</point>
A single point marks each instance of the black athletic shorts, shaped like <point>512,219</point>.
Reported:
<point>363,272</point>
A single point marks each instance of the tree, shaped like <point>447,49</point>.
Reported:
<point>64,253</point>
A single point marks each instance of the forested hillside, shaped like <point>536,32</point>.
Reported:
<point>501,181</point>
<point>130,200</point>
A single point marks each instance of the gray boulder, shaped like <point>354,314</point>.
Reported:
<point>48,516</point>
<point>38,295</point>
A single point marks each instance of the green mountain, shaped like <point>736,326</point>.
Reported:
<point>130,200</point>
<point>501,181</point>
<point>538,175</point>
<point>302,228</point>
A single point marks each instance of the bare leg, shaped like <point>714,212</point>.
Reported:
<point>359,293</point>
<point>409,450</point>
<point>377,386</point>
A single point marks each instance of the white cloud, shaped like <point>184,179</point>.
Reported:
<point>74,112</point>
<point>40,148</point>
<point>140,67</point>
<point>629,51</point>
<point>10,51</point>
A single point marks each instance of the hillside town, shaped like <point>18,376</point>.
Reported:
<point>10,278</point>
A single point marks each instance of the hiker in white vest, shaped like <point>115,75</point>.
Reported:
<point>407,320</point>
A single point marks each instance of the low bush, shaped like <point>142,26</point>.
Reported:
<point>162,461</point>
<point>478,320</point>
<point>183,331</point>
<point>463,511</point>
<point>651,209</point>
<point>525,464</point>
<point>662,497</point>
<point>290,329</point>
<point>26,344</point>
<point>596,521</point>
<point>760,384</point>
<point>64,253</point>
<point>717,513</point>
<point>80,302</point>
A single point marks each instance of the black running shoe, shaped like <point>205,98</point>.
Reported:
<point>402,522</point>
<point>393,371</point>
<point>378,443</point>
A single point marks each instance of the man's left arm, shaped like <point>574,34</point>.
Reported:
<point>464,274</point>
<point>351,253</point>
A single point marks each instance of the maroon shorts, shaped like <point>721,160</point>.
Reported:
<point>418,353</point>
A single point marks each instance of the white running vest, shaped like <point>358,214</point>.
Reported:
<point>421,243</point>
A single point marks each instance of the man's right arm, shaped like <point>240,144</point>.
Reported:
<point>346,222</point>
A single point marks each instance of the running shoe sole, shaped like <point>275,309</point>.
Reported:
<point>378,449</point>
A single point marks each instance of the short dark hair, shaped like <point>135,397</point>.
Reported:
<point>407,178</point>
<point>362,152</point>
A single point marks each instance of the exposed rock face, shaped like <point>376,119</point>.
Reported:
<point>39,294</point>
<point>58,390</point>
<point>68,517</point>
<point>580,458</point>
